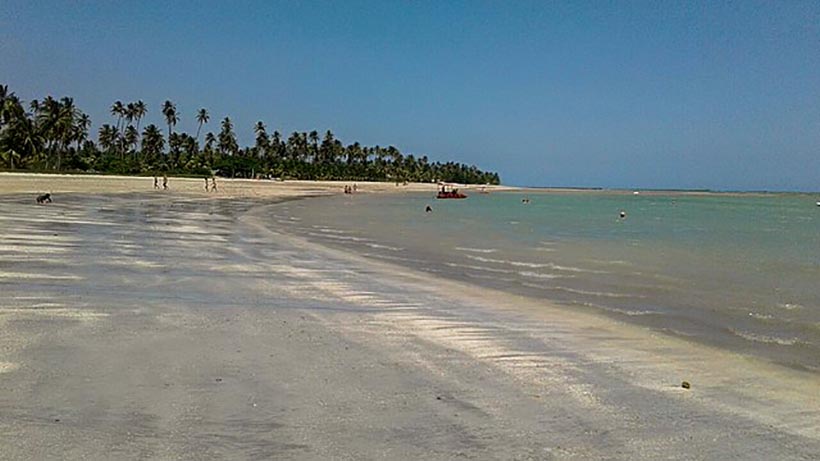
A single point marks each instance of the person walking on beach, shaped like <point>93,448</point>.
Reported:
<point>207,187</point>
<point>156,182</point>
<point>164,182</point>
<point>213,184</point>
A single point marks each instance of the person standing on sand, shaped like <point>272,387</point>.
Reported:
<point>213,184</point>
<point>156,182</point>
<point>207,187</point>
<point>164,182</point>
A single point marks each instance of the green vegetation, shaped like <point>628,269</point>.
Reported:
<point>53,135</point>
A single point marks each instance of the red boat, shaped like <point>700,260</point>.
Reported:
<point>449,192</point>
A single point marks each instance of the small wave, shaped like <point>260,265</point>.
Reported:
<point>765,339</point>
<point>629,312</point>
<point>532,265</point>
<point>327,230</point>
<point>760,316</point>
<point>601,294</point>
<point>789,306</point>
<point>615,309</point>
<point>613,262</point>
<point>479,268</point>
<point>477,250</point>
<point>385,247</point>
<point>604,294</point>
<point>494,278</point>
<point>392,258</point>
<point>679,332</point>
<point>338,237</point>
<point>539,275</point>
<point>607,294</point>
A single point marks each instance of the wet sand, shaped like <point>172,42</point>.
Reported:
<point>144,325</point>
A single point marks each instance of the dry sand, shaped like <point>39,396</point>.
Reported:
<point>137,324</point>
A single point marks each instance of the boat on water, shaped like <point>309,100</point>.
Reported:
<point>448,191</point>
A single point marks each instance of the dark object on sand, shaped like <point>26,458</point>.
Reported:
<point>45,198</point>
<point>685,385</point>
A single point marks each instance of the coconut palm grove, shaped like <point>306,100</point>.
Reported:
<point>52,135</point>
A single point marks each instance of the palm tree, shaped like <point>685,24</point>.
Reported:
<point>152,141</point>
<point>169,110</point>
<point>210,139</point>
<point>140,109</point>
<point>65,126</point>
<point>131,137</point>
<point>81,129</point>
<point>108,136</point>
<point>275,145</point>
<point>118,110</point>
<point>130,113</point>
<point>35,105</point>
<point>202,118</point>
<point>314,144</point>
<point>261,138</point>
<point>227,138</point>
<point>20,137</point>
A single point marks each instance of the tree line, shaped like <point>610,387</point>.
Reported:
<point>53,135</point>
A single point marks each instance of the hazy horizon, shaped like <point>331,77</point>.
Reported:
<point>702,95</point>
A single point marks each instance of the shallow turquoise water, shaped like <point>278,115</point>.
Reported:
<point>735,271</point>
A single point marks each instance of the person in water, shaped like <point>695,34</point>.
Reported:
<point>622,214</point>
<point>428,209</point>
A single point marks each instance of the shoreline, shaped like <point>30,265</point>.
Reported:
<point>651,359</point>
<point>192,329</point>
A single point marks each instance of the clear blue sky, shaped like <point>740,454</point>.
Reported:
<point>612,94</point>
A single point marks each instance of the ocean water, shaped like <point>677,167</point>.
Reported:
<point>735,271</point>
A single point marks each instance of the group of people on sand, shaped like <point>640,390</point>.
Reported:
<point>164,182</point>
<point>212,186</point>
<point>351,189</point>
